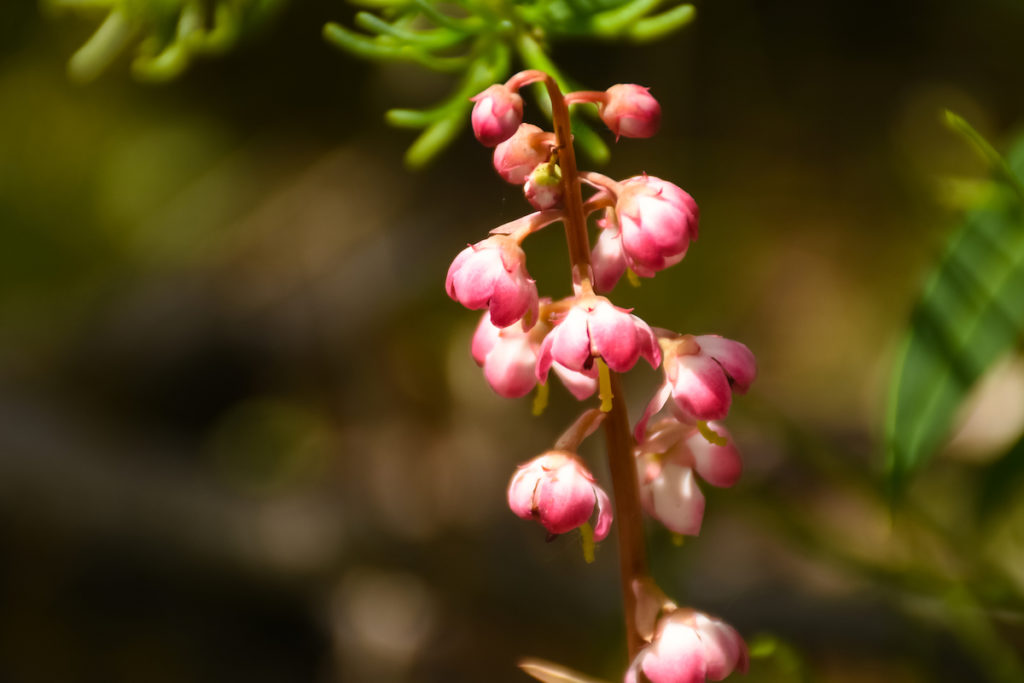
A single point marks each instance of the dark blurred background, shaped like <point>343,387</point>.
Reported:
<point>241,435</point>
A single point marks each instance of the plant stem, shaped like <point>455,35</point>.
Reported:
<point>632,552</point>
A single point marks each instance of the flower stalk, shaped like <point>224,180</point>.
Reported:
<point>647,225</point>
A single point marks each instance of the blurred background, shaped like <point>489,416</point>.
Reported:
<point>241,434</point>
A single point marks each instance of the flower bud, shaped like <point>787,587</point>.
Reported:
<point>516,157</point>
<point>497,113</point>
<point>690,647</point>
<point>657,220</point>
<point>492,274</point>
<point>594,328</point>
<point>557,490</point>
<point>630,111</point>
<point>543,188</point>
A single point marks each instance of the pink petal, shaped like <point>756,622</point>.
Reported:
<point>638,244</point>
<point>521,490</point>
<point>676,657</point>
<point>512,296</point>
<point>608,260</point>
<point>676,500</point>
<point>723,646</point>
<point>613,336</point>
<point>510,367</point>
<point>735,358</point>
<point>700,387</point>
<point>718,465</point>
<point>649,348</point>
<point>484,339</point>
<point>473,284</point>
<point>570,340</point>
<point>565,499</point>
<point>604,514</point>
<point>455,267</point>
<point>544,359</point>
<point>579,384</point>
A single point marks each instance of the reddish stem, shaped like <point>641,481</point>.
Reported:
<point>632,551</point>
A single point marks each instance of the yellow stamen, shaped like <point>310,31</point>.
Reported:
<point>678,540</point>
<point>587,540</point>
<point>604,383</point>
<point>711,435</point>
<point>540,399</point>
<point>632,277</point>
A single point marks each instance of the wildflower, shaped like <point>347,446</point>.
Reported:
<point>657,220</point>
<point>594,328</point>
<point>527,148</point>
<point>690,647</point>
<point>557,490</point>
<point>497,113</point>
<point>630,111</point>
<point>667,458</point>
<point>701,374</point>
<point>492,274</point>
<point>509,359</point>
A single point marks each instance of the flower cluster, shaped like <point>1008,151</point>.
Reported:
<point>645,224</point>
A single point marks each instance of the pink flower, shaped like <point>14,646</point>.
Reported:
<point>701,374</point>
<point>496,115</point>
<point>492,274</point>
<point>557,490</point>
<point>509,359</point>
<point>667,458</point>
<point>516,157</point>
<point>594,328</point>
<point>690,647</point>
<point>704,377</point>
<point>657,221</point>
<point>607,258</point>
<point>629,110</point>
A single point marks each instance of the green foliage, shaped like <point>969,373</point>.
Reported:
<point>477,41</point>
<point>968,316</point>
<point>169,33</point>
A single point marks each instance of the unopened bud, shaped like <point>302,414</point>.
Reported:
<point>630,111</point>
<point>543,188</point>
<point>497,113</point>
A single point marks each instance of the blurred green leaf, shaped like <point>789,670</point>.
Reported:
<point>970,313</point>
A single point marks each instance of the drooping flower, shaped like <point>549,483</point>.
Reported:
<point>492,274</point>
<point>594,328</point>
<point>658,220</point>
<point>497,113</point>
<point>557,490</point>
<point>701,374</point>
<point>690,647</point>
<point>667,458</point>
<point>527,148</point>
<point>607,258</point>
<point>630,110</point>
<point>508,357</point>
<point>704,377</point>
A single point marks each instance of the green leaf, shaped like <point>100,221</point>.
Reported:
<point>969,314</point>
<point>660,25</point>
